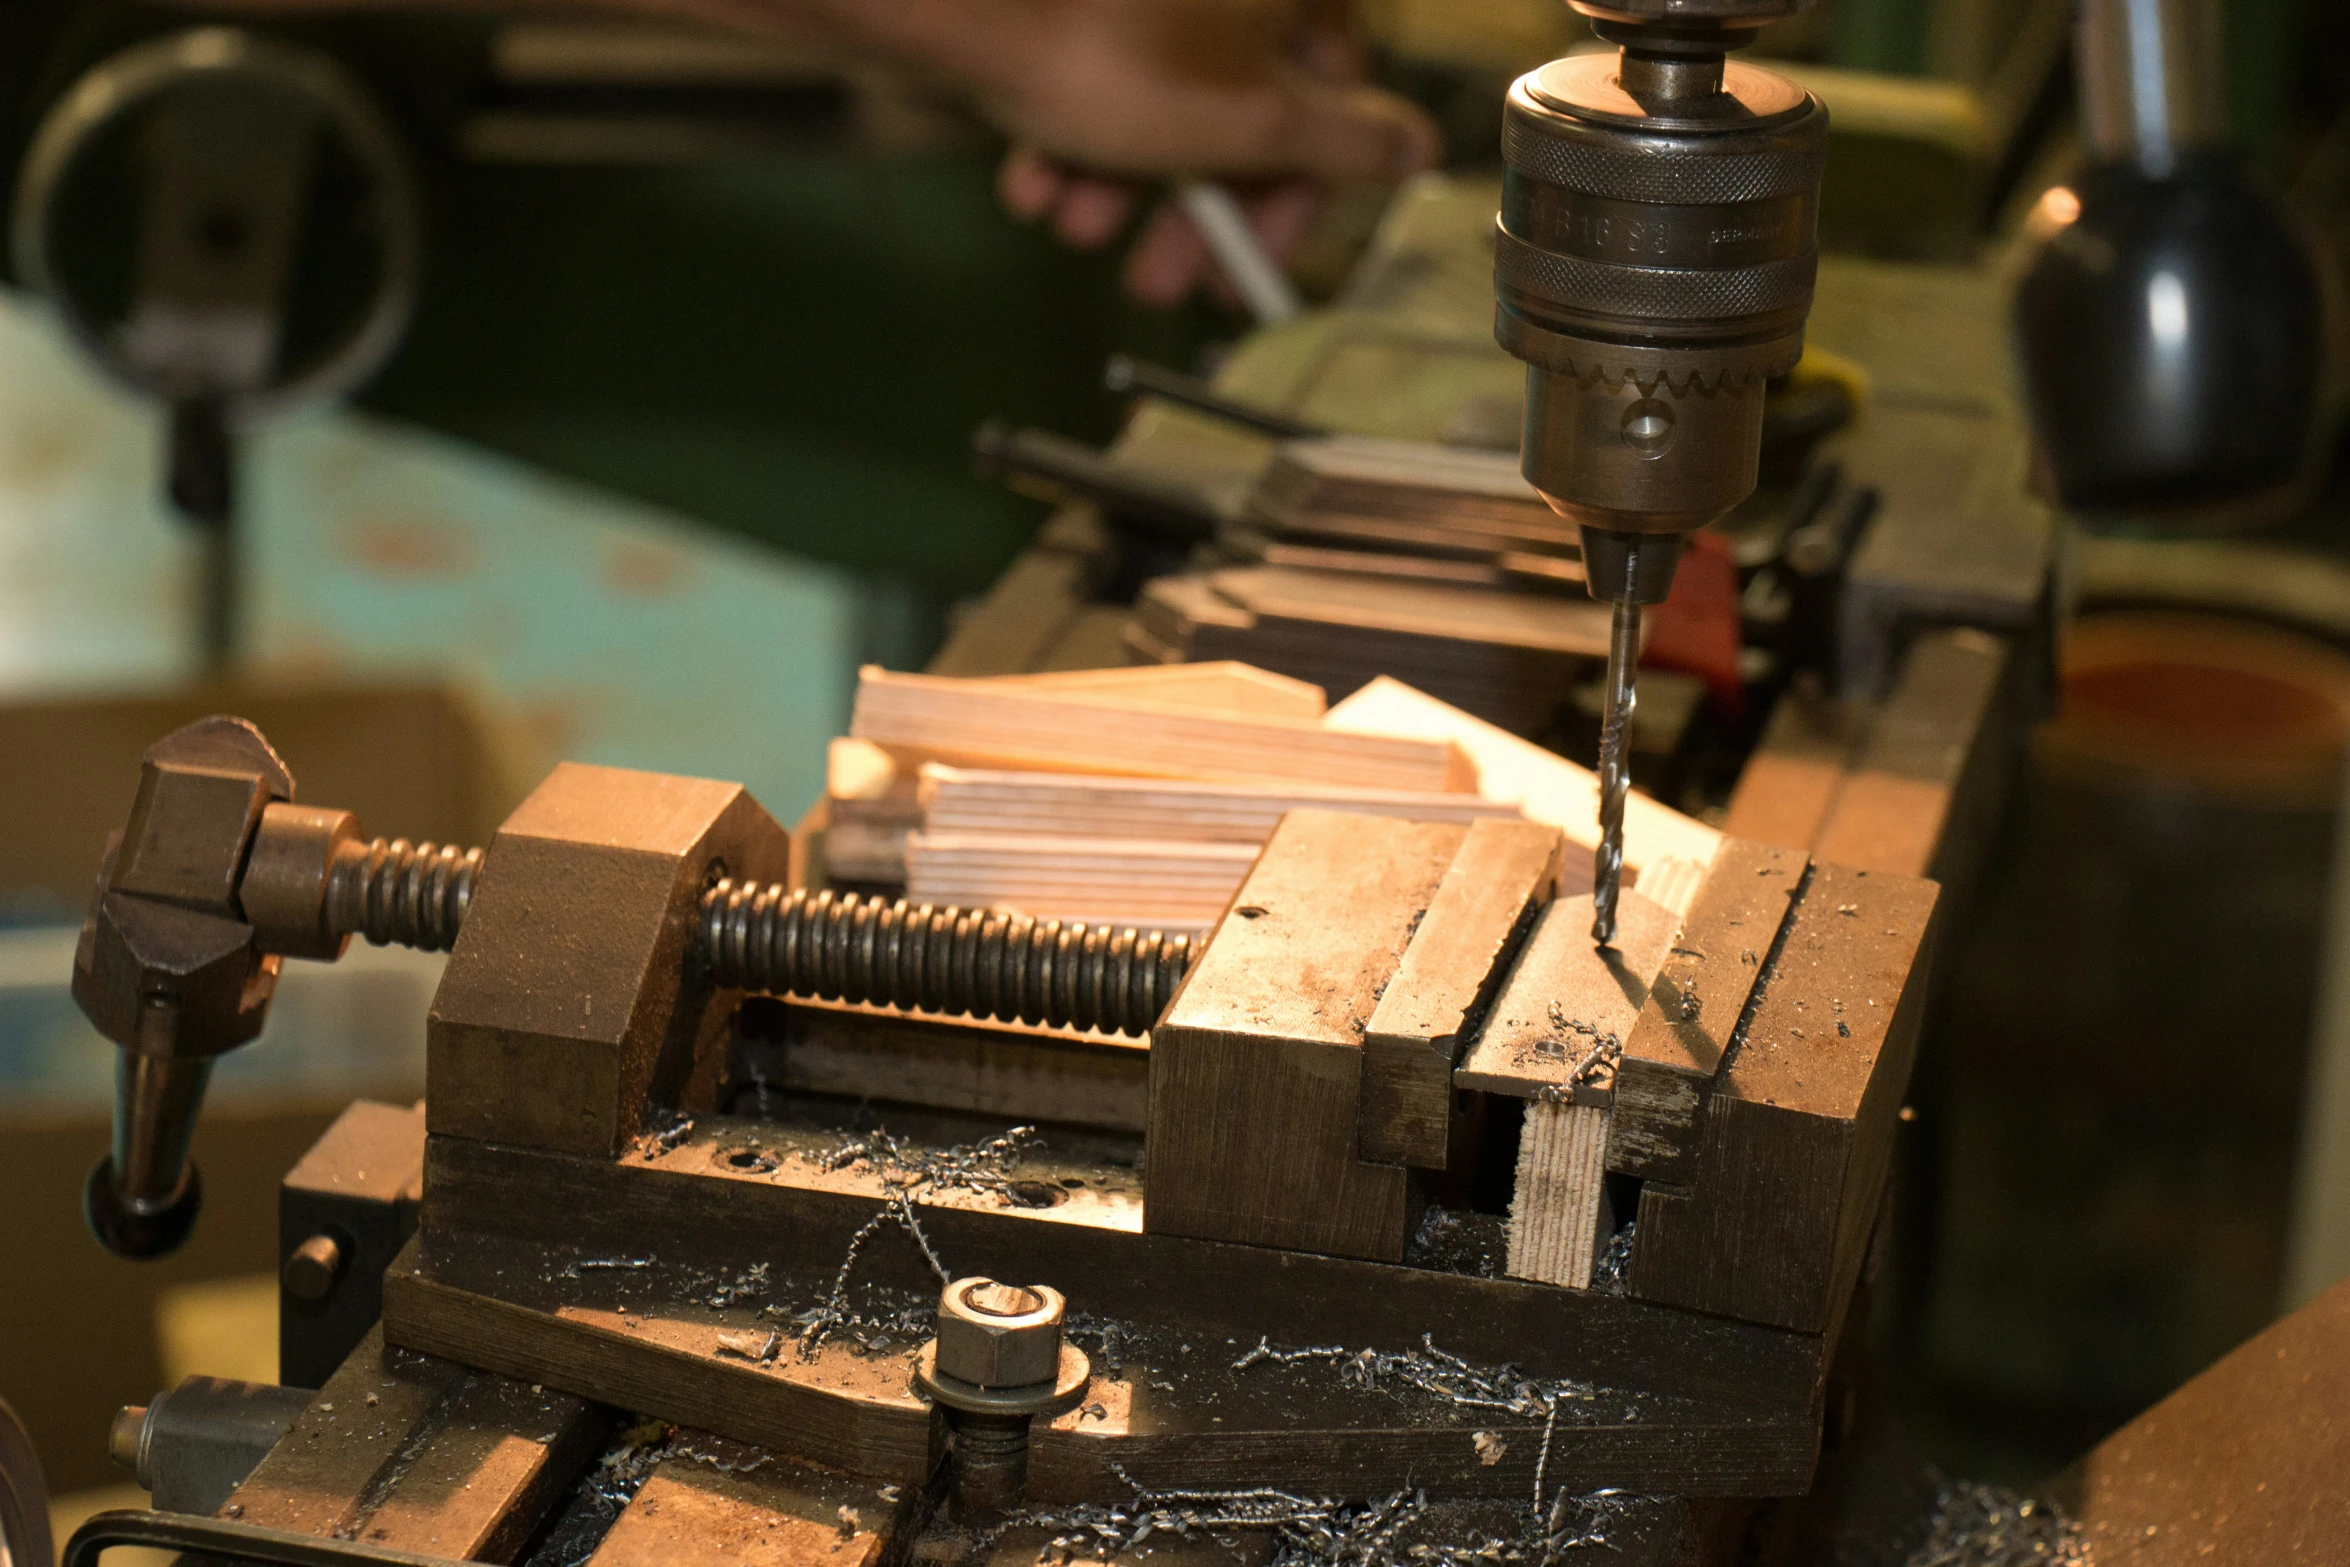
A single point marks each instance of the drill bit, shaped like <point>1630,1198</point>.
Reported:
<point>1615,770</point>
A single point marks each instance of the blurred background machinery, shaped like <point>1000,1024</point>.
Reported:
<point>650,470</point>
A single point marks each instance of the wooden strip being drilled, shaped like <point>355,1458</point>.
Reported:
<point>1554,1215</point>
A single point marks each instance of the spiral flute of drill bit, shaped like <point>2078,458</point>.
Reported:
<point>983,962</point>
<point>1615,771</point>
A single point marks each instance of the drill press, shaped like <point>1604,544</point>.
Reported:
<point>1653,268</point>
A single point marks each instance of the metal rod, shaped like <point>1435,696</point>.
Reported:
<point>1607,866</point>
<point>1125,373</point>
<point>1255,276</point>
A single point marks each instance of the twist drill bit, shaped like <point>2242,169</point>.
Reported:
<point>1607,866</point>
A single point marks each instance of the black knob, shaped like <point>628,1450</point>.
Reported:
<point>2171,331</point>
<point>137,1233</point>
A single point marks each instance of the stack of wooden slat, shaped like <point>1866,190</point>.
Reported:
<point>1141,795</point>
<point>1512,658</point>
<point>1363,557</point>
<point>1353,492</point>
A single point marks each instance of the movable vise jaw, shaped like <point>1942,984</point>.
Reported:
<point>621,907</point>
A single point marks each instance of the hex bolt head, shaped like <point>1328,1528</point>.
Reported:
<point>312,1268</point>
<point>995,1335</point>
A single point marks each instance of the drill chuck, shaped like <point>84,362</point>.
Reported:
<point>1653,267</point>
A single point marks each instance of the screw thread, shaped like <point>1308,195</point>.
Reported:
<point>394,892</point>
<point>981,962</point>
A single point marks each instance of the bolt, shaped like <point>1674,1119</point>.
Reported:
<point>126,1440</point>
<point>997,1363</point>
<point>311,1271</point>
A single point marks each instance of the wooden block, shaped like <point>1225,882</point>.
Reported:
<point>366,1415</point>
<point>1453,489</point>
<point>858,770</point>
<point>1134,881</point>
<point>419,1454</point>
<point>1546,786</point>
<point>1694,1008</point>
<point>1540,622</point>
<point>1925,784</point>
<point>866,852</point>
<point>568,1005</point>
<point>1497,884</point>
<point>1031,605</point>
<point>1555,1211</point>
<point>2243,1465</point>
<point>969,800</point>
<point>1257,1069</point>
<point>1090,733</point>
<point>736,1506</point>
<point>1564,999</point>
<point>1790,783</point>
<point>1223,686</point>
<point>1779,1193</point>
<point>495,1460</point>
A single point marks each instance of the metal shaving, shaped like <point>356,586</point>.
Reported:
<point>1608,1269</point>
<point>906,1170</point>
<point>655,1141</point>
<point>607,1491</point>
<point>1321,1532</point>
<point>1597,1063</point>
<point>1574,1523</point>
<point>1431,1370</point>
<point>1976,1525</point>
<point>1307,1531</point>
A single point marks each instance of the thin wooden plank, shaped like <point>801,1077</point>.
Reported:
<point>1351,601</point>
<point>1498,883</point>
<point>1090,733</point>
<point>1547,787</point>
<point>1555,1209</point>
<point>1564,1000</point>
<point>1221,686</point>
<point>962,799</point>
<point>1694,1007</point>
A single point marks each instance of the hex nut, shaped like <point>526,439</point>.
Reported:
<point>995,1335</point>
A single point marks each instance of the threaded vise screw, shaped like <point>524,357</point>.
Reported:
<point>397,893</point>
<point>981,962</point>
